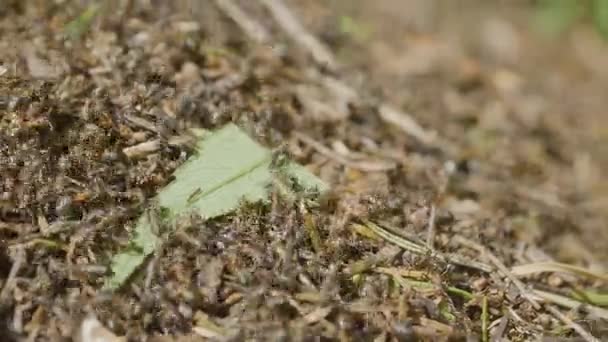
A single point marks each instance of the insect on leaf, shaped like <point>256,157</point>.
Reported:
<point>228,168</point>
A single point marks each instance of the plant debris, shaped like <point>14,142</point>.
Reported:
<point>466,192</point>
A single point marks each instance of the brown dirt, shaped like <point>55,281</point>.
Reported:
<point>525,178</point>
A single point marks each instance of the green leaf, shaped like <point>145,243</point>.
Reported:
<point>592,297</point>
<point>600,16</point>
<point>228,168</point>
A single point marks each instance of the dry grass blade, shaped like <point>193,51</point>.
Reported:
<point>420,249</point>
<point>573,325</point>
<point>403,272</point>
<point>317,315</point>
<point>430,234</point>
<point>542,267</point>
<point>485,318</point>
<point>401,276</point>
<point>206,328</point>
<point>142,123</point>
<point>392,238</point>
<point>142,149</point>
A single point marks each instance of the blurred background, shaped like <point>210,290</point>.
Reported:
<point>518,84</point>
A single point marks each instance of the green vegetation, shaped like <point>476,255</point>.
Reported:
<point>557,16</point>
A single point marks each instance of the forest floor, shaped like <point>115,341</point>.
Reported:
<point>466,154</point>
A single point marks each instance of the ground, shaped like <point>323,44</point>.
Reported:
<point>503,195</point>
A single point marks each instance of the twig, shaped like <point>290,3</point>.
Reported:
<point>141,122</point>
<point>541,267</point>
<point>292,26</point>
<point>368,166</point>
<point>10,280</point>
<point>255,31</point>
<point>142,149</point>
<point>502,268</point>
<point>151,270</point>
<point>572,324</point>
<point>485,317</point>
<point>430,233</point>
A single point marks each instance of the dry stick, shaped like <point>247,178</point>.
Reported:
<point>572,324</point>
<point>484,319</point>
<point>292,26</point>
<point>251,27</point>
<point>540,267</point>
<point>142,149</point>
<point>430,234</point>
<point>367,166</point>
<point>141,122</point>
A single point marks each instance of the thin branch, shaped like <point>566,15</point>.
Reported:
<point>485,317</point>
<point>430,233</point>
<point>142,149</point>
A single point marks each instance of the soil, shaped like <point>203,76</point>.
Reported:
<point>520,178</point>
